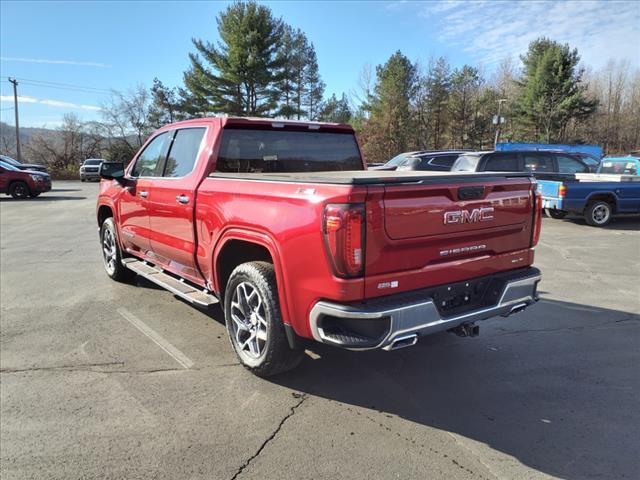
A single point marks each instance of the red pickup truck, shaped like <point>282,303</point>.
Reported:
<point>282,223</point>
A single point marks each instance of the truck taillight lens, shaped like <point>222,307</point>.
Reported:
<point>343,229</point>
<point>537,217</point>
<point>562,191</point>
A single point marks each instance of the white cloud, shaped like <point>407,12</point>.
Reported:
<point>54,62</point>
<point>50,103</point>
<point>21,99</point>
<point>492,31</point>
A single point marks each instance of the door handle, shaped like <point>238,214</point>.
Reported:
<point>182,199</point>
<point>144,194</point>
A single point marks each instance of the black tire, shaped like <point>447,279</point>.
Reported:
<point>82,180</point>
<point>598,213</point>
<point>19,190</point>
<point>113,259</point>
<point>557,214</point>
<point>258,315</point>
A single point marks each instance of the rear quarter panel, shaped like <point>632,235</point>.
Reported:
<point>286,218</point>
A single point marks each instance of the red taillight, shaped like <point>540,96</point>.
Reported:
<point>562,191</point>
<point>343,230</point>
<point>537,217</point>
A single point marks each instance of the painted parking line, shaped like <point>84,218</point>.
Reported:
<point>177,355</point>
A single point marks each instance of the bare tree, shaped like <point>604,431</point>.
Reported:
<point>126,120</point>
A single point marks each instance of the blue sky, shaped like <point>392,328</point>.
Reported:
<point>116,45</point>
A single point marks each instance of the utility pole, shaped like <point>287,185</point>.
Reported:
<point>498,123</point>
<point>15,102</point>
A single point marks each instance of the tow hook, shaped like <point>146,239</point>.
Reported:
<point>466,330</point>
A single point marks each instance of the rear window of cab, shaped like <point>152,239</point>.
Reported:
<point>619,167</point>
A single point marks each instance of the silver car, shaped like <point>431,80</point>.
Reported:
<point>90,169</point>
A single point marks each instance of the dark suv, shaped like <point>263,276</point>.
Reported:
<point>522,161</point>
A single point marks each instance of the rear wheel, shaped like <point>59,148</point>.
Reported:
<point>598,213</point>
<point>19,190</point>
<point>111,255</point>
<point>557,214</point>
<point>254,322</point>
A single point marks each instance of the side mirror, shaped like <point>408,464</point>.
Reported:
<point>113,171</point>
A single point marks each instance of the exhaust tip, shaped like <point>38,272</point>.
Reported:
<point>517,308</point>
<point>406,341</point>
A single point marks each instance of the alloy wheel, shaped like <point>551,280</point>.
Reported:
<point>249,323</point>
<point>600,214</point>
<point>109,251</point>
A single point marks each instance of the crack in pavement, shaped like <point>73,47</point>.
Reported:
<point>292,411</point>
<point>91,368</point>
<point>422,447</point>
<point>82,366</point>
<point>627,318</point>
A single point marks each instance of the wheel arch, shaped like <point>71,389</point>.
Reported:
<point>104,212</point>
<point>608,197</point>
<point>238,246</point>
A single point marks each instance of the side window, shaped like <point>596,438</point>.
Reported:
<point>538,162</point>
<point>570,165</point>
<point>184,152</point>
<point>150,161</point>
<point>502,162</point>
<point>443,160</point>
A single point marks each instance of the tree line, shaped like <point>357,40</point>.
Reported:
<point>262,66</point>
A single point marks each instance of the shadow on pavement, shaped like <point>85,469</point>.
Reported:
<point>66,190</point>
<point>548,387</point>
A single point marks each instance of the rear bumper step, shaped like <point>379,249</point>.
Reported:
<point>399,320</point>
<point>178,287</point>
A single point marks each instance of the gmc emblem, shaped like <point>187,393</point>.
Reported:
<point>469,216</point>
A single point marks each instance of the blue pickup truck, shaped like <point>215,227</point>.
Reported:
<point>596,197</point>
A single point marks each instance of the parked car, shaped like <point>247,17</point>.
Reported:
<point>22,183</point>
<point>437,161</point>
<point>620,165</point>
<point>536,162</point>
<point>23,166</point>
<point>90,169</point>
<point>598,198</point>
<point>281,223</point>
<point>592,151</point>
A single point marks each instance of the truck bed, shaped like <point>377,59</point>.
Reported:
<point>370,177</point>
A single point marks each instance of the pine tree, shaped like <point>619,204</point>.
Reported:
<point>465,87</point>
<point>334,110</point>
<point>552,91</point>
<point>164,107</point>
<point>236,76</point>
<point>313,84</point>
<point>388,131</point>
<point>438,88</point>
<point>285,80</point>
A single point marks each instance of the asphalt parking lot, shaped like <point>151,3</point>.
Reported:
<point>106,380</point>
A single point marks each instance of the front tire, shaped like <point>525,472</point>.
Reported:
<point>111,255</point>
<point>254,323</point>
<point>19,190</point>
<point>598,213</point>
<point>557,214</point>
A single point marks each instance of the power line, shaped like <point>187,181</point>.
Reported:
<point>62,86</point>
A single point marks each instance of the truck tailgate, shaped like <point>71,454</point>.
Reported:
<point>431,234</point>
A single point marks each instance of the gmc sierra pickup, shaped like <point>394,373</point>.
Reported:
<point>281,222</point>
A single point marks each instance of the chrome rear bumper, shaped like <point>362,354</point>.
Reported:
<point>401,322</point>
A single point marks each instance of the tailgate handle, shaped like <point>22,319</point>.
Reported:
<point>470,193</point>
